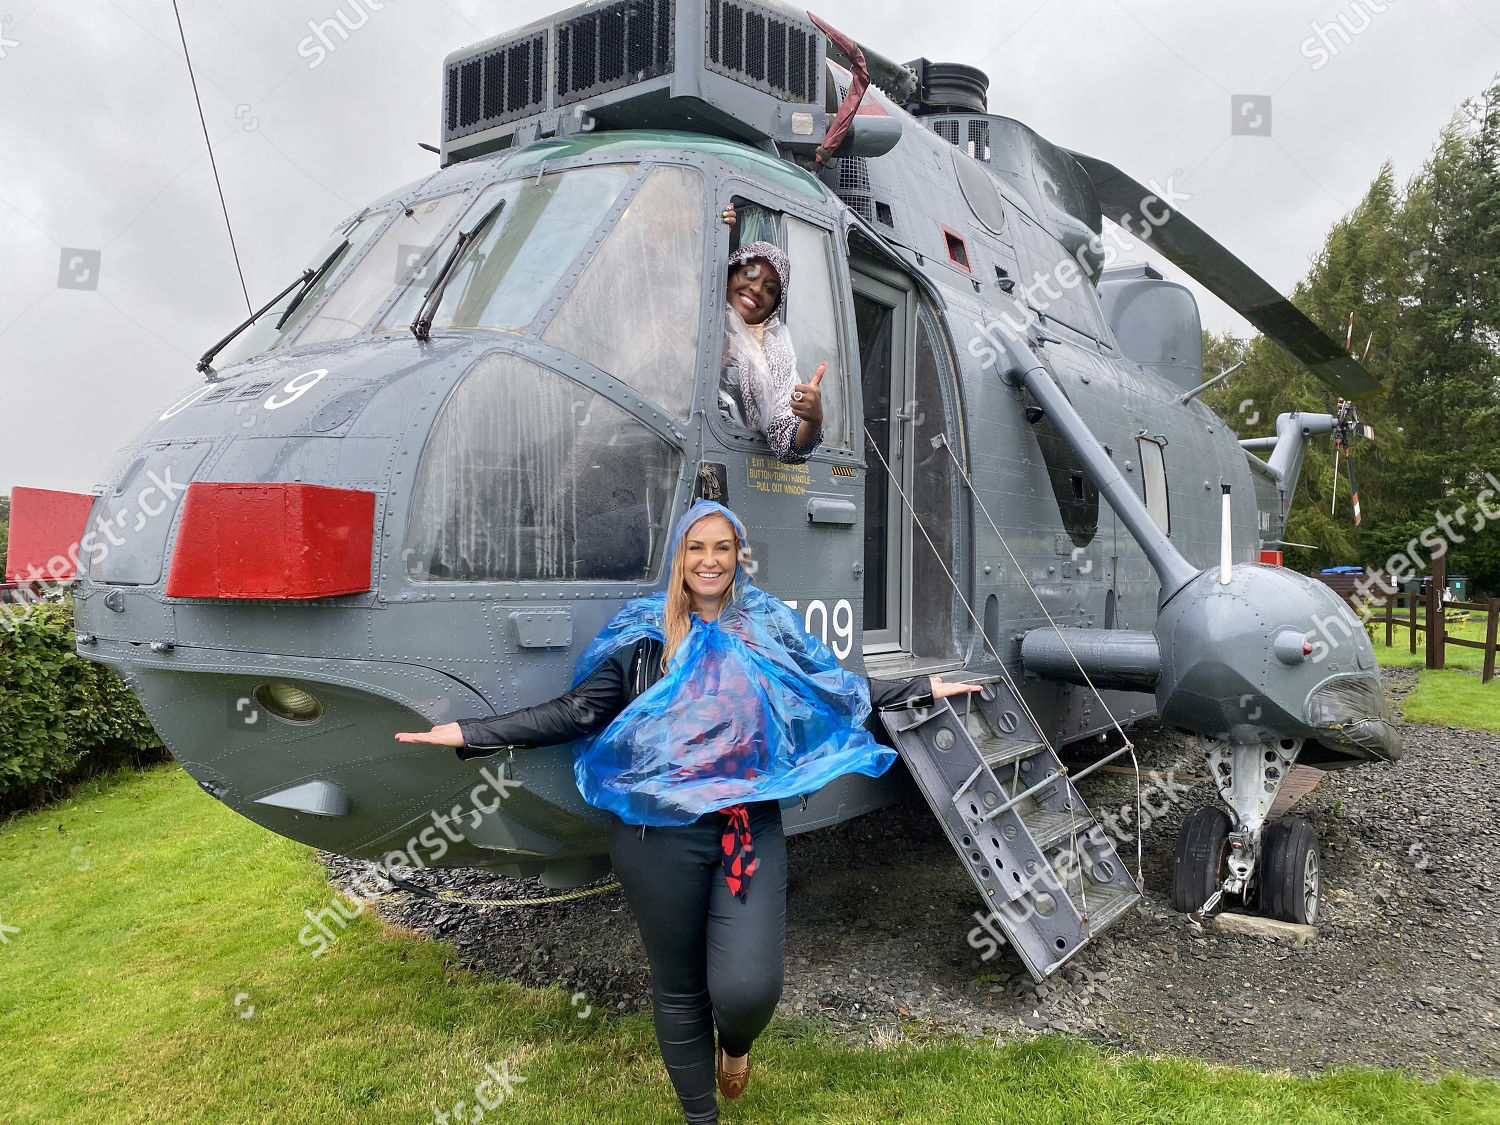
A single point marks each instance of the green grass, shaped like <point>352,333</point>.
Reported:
<point>1452,698</point>
<point>117,1004</point>
<point>1457,656</point>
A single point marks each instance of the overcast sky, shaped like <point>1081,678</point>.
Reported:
<point>101,150</point>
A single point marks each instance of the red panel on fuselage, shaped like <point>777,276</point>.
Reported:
<point>272,541</point>
<point>45,527</point>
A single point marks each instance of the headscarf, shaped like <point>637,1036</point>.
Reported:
<point>759,372</point>
<point>752,708</point>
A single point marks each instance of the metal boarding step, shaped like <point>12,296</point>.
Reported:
<point>1049,874</point>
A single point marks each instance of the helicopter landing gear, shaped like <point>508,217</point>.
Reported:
<point>1200,864</point>
<point>1291,872</point>
<point>1218,855</point>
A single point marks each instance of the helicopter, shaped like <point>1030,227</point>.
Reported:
<point>417,482</point>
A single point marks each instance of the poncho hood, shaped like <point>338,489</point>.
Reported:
<point>751,708</point>
<point>700,510</point>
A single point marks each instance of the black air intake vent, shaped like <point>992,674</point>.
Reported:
<point>612,47</point>
<point>747,70</point>
<point>754,45</point>
<point>496,87</point>
<point>948,130</point>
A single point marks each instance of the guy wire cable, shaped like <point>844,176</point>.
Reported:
<point>1058,630</point>
<point>211,161</point>
<point>451,896</point>
<point>1015,690</point>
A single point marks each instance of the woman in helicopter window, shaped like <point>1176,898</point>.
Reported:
<point>702,709</point>
<point>758,384</point>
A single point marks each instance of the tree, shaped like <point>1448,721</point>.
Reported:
<point>1419,267</point>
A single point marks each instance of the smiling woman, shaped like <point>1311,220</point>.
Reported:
<point>700,709</point>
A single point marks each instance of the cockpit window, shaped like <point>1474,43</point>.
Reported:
<point>634,313</point>
<point>527,476</point>
<point>390,262</point>
<point>275,326</point>
<point>502,279</point>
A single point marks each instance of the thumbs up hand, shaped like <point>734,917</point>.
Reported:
<point>807,399</point>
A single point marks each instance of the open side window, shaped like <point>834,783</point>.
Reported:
<point>809,306</point>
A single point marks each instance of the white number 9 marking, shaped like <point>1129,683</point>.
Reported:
<point>843,624</point>
<point>295,388</point>
<point>843,628</point>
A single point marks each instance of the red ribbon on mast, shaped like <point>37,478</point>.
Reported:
<point>839,128</point>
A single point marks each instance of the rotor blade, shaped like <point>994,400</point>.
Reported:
<point>1353,487</point>
<point>1193,250</point>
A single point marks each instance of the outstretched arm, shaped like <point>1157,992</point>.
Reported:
<point>922,690</point>
<point>587,708</point>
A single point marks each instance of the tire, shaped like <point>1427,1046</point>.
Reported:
<point>1291,872</point>
<point>1198,865</point>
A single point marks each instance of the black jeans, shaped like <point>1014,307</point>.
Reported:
<point>715,961</point>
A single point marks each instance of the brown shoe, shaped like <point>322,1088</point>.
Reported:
<point>732,1085</point>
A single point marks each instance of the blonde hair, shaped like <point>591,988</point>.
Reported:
<point>677,616</point>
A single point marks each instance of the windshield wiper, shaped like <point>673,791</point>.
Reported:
<point>308,285</point>
<point>421,328</point>
<point>205,364</point>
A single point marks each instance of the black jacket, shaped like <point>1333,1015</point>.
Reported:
<point>592,704</point>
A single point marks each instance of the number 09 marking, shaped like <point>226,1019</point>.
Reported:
<point>295,388</point>
<point>843,624</point>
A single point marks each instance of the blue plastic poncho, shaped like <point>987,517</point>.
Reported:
<point>752,708</point>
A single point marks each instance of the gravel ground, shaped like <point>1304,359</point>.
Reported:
<point>1405,971</point>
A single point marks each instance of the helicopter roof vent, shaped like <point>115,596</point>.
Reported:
<point>750,70</point>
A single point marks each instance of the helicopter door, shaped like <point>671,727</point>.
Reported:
<point>884,311</point>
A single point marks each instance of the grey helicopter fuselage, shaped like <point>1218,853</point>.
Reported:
<point>422,647</point>
<point>526,461</point>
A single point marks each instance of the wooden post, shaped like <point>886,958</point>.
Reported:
<point>1411,614</point>
<point>1437,583</point>
<point>1390,613</point>
<point>1489,641</point>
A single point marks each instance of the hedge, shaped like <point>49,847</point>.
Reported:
<point>62,718</point>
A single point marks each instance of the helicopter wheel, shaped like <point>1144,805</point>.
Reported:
<point>1291,872</point>
<point>1199,863</point>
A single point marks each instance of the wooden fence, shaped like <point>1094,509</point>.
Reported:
<point>1398,610</point>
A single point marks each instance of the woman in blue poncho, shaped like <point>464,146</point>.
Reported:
<point>703,707</point>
